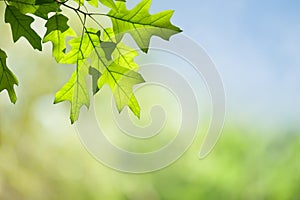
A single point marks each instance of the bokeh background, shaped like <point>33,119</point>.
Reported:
<point>255,46</point>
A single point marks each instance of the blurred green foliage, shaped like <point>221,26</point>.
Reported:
<point>242,166</point>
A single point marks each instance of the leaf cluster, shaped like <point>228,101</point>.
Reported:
<point>95,51</point>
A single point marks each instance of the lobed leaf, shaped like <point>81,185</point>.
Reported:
<point>7,78</point>
<point>57,31</point>
<point>82,47</point>
<point>119,73</point>
<point>75,91</point>
<point>20,26</point>
<point>44,9</point>
<point>140,24</point>
<point>121,81</point>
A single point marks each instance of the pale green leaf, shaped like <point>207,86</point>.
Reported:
<point>58,40</point>
<point>140,24</point>
<point>120,74</point>
<point>82,47</point>
<point>75,91</point>
<point>121,82</point>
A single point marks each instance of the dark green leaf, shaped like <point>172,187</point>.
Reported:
<point>20,26</point>
<point>44,9</point>
<point>7,78</point>
<point>57,22</point>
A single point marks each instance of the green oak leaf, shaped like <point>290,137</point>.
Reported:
<point>20,26</point>
<point>7,78</point>
<point>122,54</point>
<point>82,47</point>
<point>140,24</point>
<point>75,91</point>
<point>57,22</point>
<point>58,40</point>
<point>57,31</point>
<point>119,73</point>
<point>121,81</point>
<point>44,9</point>
<point>24,6</point>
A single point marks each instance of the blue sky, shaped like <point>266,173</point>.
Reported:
<point>255,45</point>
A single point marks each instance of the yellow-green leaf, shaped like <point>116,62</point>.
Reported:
<point>140,24</point>
<point>57,31</point>
<point>121,82</point>
<point>82,47</point>
<point>75,91</point>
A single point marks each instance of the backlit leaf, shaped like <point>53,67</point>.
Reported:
<point>140,24</point>
<point>75,91</point>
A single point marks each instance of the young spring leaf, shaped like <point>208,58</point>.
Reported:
<point>119,72</point>
<point>57,31</point>
<point>82,47</point>
<point>7,78</point>
<point>121,80</point>
<point>75,91</point>
<point>140,24</point>
<point>20,26</point>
